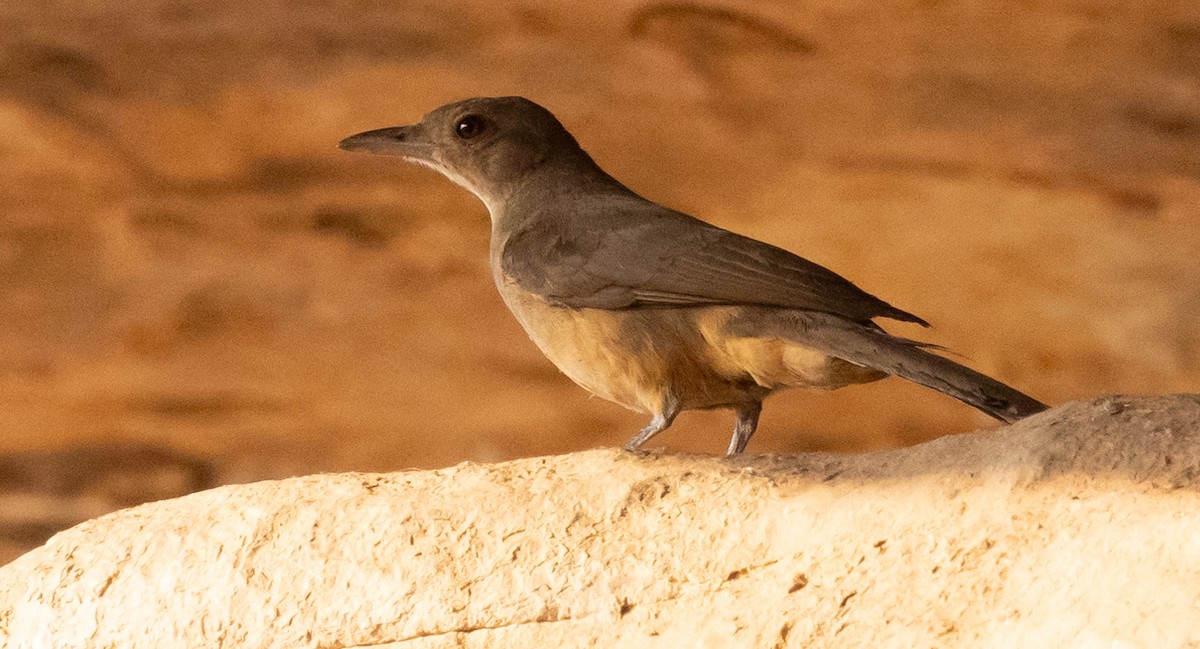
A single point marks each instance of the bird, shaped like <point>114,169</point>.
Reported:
<point>651,308</point>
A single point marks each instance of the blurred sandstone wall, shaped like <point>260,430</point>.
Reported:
<point>188,264</point>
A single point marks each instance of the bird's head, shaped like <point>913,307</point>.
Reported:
<point>487,145</point>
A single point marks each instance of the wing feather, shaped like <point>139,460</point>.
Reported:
<point>647,256</point>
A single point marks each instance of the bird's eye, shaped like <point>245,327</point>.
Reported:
<point>469,126</point>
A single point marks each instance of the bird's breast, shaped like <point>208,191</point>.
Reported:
<point>603,351</point>
<point>641,358</point>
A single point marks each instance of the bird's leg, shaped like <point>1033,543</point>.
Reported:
<point>743,430</point>
<point>661,421</point>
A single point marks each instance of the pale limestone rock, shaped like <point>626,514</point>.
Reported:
<point>1079,527</point>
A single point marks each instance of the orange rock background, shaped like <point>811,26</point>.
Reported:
<point>192,273</point>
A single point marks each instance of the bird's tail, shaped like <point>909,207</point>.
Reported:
<point>912,360</point>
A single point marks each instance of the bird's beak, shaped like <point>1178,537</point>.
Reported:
<point>403,141</point>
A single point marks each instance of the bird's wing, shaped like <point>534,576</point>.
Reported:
<point>654,257</point>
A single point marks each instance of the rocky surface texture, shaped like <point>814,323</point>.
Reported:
<point>1074,528</point>
<point>188,265</point>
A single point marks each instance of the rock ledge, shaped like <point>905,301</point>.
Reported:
<point>1074,528</point>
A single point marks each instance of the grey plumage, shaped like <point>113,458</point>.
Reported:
<point>652,308</point>
<point>649,256</point>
